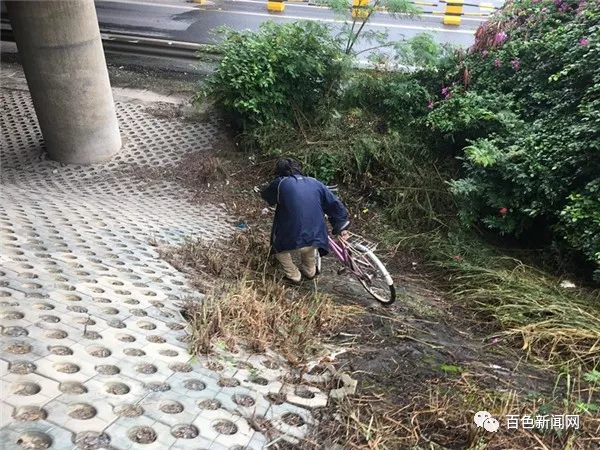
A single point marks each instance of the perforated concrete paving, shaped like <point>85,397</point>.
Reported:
<point>93,346</point>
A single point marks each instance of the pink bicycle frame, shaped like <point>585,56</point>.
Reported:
<point>341,252</point>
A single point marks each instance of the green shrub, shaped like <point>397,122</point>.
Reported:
<point>281,74</point>
<point>401,98</point>
<point>396,99</point>
<point>469,115</point>
<point>530,104</point>
<point>580,222</point>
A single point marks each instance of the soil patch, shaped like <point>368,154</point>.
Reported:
<point>142,435</point>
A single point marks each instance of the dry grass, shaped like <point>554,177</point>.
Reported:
<point>196,171</point>
<point>558,325</point>
<point>442,417</point>
<point>247,304</point>
<point>262,314</point>
<point>247,252</point>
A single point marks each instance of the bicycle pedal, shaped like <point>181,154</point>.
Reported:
<point>341,271</point>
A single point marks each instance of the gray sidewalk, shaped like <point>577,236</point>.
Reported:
<point>93,351</point>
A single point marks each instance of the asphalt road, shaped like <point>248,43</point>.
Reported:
<point>193,23</point>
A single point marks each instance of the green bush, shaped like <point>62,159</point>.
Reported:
<point>279,75</point>
<point>394,98</point>
<point>580,221</point>
<point>400,98</point>
<point>468,115</point>
<point>528,96</point>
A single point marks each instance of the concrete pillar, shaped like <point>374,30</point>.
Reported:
<point>63,59</point>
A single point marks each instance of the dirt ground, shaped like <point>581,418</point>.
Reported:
<point>418,351</point>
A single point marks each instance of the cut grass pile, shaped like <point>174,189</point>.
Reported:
<point>442,417</point>
<point>246,303</point>
<point>533,309</point>
<point>261,315</point>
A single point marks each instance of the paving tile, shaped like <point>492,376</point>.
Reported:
<point>3,368</point>
<point>92,329</point>
<point>305,396</point>
<point>55,436</point>
<point>30,389</point>
<point>6,412</point>
<point>198,443</point>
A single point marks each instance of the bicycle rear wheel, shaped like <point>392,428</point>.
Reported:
<point>375,278</point>
<point>318,262</point>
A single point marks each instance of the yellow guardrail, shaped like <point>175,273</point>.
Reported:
<point>359,8</point>
<point>275,5</point>
<point>454,9</point>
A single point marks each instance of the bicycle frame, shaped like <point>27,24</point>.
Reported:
<point>340,250</point>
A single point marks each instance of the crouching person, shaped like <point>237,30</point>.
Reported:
<point>299,225</point>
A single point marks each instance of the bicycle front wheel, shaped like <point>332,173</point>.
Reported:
<point>375,278</point>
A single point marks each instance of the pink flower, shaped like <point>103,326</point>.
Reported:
<point>581,7</point>
<point>446,93</point>
<point>457,257</point>
<point>484,53</point>
<point>499,38</point>
<point>497,63</point>
<point>503,210</point>
<point>515,64</point>
<point>583,42</point>
<point>430,105</point>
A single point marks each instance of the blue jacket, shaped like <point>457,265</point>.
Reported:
<point>299,217</point>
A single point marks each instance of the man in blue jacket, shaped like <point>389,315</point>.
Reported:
<point>299,225</point>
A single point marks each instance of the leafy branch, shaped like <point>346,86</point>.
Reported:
<point>355,30</point>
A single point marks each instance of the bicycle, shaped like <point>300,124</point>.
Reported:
<point>358,255</point>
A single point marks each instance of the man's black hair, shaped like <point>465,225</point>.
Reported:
<point>287,167</point>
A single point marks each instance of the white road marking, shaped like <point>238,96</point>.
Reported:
<point>163,5</point>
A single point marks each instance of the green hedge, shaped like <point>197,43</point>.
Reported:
<point>279,75</point>
<point>527,96</point>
